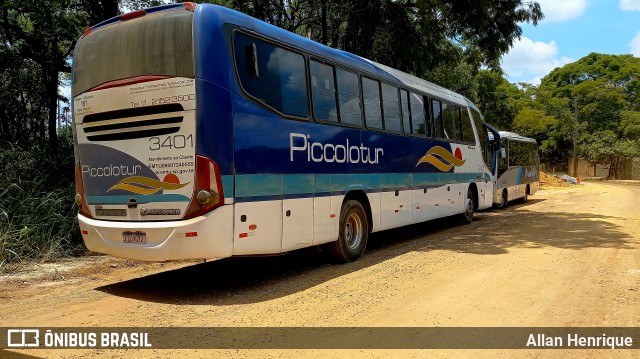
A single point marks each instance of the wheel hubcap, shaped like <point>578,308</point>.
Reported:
<point>353,231</point>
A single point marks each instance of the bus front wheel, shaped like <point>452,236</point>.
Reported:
<point>353,235</point>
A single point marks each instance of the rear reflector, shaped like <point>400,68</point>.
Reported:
<point>85,232</point>
<point>243,235</point>
<point>191,234</point>
<point>87,31</point>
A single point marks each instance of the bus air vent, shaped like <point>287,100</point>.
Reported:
<point>133,123</point>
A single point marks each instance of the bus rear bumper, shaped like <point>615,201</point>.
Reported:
<point>208,236</point>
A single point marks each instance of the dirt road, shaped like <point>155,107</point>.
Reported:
<point>568,257</point>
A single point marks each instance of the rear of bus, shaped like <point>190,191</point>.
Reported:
<point>148,183</point>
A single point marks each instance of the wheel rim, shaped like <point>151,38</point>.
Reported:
<point>353,231</point>
<point>469,210</point>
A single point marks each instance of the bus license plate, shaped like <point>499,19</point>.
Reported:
<point>134,237</point>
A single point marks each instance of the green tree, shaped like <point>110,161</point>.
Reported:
<point>606,148</point>
<point>497,99</point>
<point>630,124</point>
<point>532,122</point>
<point>602,90</point>
<point>41,35</point>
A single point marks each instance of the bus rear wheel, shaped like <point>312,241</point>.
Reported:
<point>525,198</point>
<point>353,235</point>
<point>469,208</point>
<point>504,200</point>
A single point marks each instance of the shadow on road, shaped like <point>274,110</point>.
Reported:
<point>256,279</point>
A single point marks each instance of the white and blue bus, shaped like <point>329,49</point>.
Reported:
<point>518,174</point>
<point>202,132</point>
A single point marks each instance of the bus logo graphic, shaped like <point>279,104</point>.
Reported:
<point>442,159</point>
<point>23,338</point>
<point>145,185</point>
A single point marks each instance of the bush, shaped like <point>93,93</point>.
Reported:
<point>37,211</point>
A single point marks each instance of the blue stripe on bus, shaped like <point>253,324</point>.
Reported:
<point>322,183</point>
<point>258,185</point>
<point>298,184</point>
<point>227,185</point>
<point>396,180</point>
<point>264,187</point>
<point>519,174</point>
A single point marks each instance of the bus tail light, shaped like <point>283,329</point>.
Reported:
<point>80,199</point>
<point>207,192</point>
<point>87,31</point>
<point>191,6</point>
<point>132,15</point>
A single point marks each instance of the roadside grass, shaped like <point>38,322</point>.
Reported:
<point>37,211</point>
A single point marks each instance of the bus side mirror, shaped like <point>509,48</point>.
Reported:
<point>503,152</point>
<point>251,58</point>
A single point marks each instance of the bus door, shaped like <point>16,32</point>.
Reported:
<point>491,154</point>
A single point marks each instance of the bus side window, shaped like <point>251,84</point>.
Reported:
<point>406,113</point>
<point>457,123</point>
<point>534,154</point>
<point>447,121</point>
<point>372,104</point>
<point>279,79</point>
<point>419,125</point>
<point>437,118</point>
<point>349,97</point>
<point>503,162</point>
<point>467,130</point>
<point>323,92</point>
<point>391,109</point>
<point>483,137</point>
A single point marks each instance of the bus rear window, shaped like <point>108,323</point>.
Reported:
<point>156,44</point>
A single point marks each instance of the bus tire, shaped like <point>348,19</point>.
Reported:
<point>353,233</point>
<point>504,200</point>
<point>466,217</point>
<point>525,198</point>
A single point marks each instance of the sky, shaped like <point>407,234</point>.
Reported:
<point>571,30</point>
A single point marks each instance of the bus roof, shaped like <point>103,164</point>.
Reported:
<point>516,137</point>
<point>340,56</point>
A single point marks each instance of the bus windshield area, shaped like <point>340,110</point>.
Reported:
<point>156,44</point>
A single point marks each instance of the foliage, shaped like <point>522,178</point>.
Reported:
<point>532,122</point>
<point>602,92</point>
<point>606,147</point>
<point>592,103</point>
<point>497,99</point>
<point>441,32</point>
<point>37,213</point>
<point>630,124</point>
<point>36,38</point>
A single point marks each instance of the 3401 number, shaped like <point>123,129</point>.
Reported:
<point>170,142</point>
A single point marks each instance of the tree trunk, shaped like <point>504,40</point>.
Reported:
<point>52,104</point>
